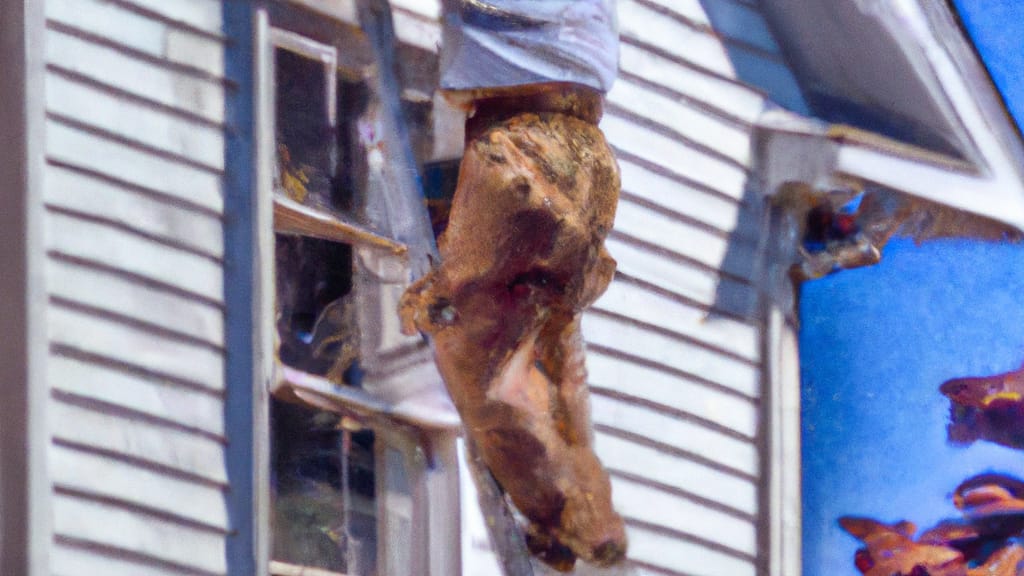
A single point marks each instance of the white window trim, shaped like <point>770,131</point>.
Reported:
<point>25,489</point>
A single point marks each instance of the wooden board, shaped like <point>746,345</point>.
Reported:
<point>136,32</point>
<point>728,491</point>
<point>672,555</point>
<point>97,242</point>
<point>660,348</point>
<point>713,92</point>
<point>189,454</point>
<point>689,437</point>
<point>109,158</point>
<point>724,137</point>
<point>131,345</point>
<point>139,124</point>
<point>135,76</point>
<point>152,215</point>
<point>671,511</point>
<point>150,396</point>
<point>677,157</point>
<point>651,386</point>
<point>139,533</point>
<point>689,43</point>
<point>736,256</point>
<point>98,476</point>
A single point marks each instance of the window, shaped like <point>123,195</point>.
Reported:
<point>362,472</point>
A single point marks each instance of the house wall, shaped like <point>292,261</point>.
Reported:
<point>134,95</point>
<point>675,344</point>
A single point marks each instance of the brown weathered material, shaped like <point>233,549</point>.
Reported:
<point>523,255</point>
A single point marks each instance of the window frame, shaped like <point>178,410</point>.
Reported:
<point>427,447</point>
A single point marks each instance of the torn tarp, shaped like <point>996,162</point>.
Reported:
<point>504,43</point>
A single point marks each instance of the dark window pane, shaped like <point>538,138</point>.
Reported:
<point>323,490</point>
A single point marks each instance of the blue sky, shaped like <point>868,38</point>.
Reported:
<point>997,28</point>
<point>876,343</point>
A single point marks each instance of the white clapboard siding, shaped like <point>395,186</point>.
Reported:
<point>135,244</point>
<point>88,333</point>
<point>682,434</point>
<point>116,23</point>
<point>139,533</point>
<point>190,454</point>
<point>115,69</point>
<point>658,507</point>
<point>688,240</point>
<point>124,296</point>
<point>84,559</point>
<point>704,90</point>
<point>697,284</point>
<point>155,216</point>
<point>656,346</point>
<point>674,357</point>
<point>680,158</point>
<point>84,239</point>
<point>720,135</point>
<point>104,156</point>
<point>667,553</point>
<point>88,473</point>
<point>143,394</point>
<point>111,113</point>
<point>719,406</point>
<point>202,15</point>
<point>627,458</point>
<point>654,308</point>
<point>658,188</point>
<point>692,44</point>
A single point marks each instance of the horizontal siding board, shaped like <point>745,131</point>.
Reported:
<point>140,33</point>
<point>660,508</point>
<point>730,98</point>
<point>428,9</point>
<point>687,558</point>
<point>692,44</point>
<point>660,388</point>
<point>691,10</point>
<point>677,157</point>
<point>132,75</point>
<point>69,560</point>
<point>91,152</point>
<point>199,143</point>
<point>185,452</point>
<point>685,239</point>
<point>668,194</point>
<point>204,15</point>
<point>690,437</point>
<point>687,280</point>
<point>137,533</point>
<point>151,215</point>
<point>726,490</point>
<point>724,137</point>
<point>88,473</point>
<point>78,238</point>
<point>149,396</point>
<point>119,295</point>
<point>624,336</point>
<point>629,299</point>
<point>136,347</point>
<point>416,31</point>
